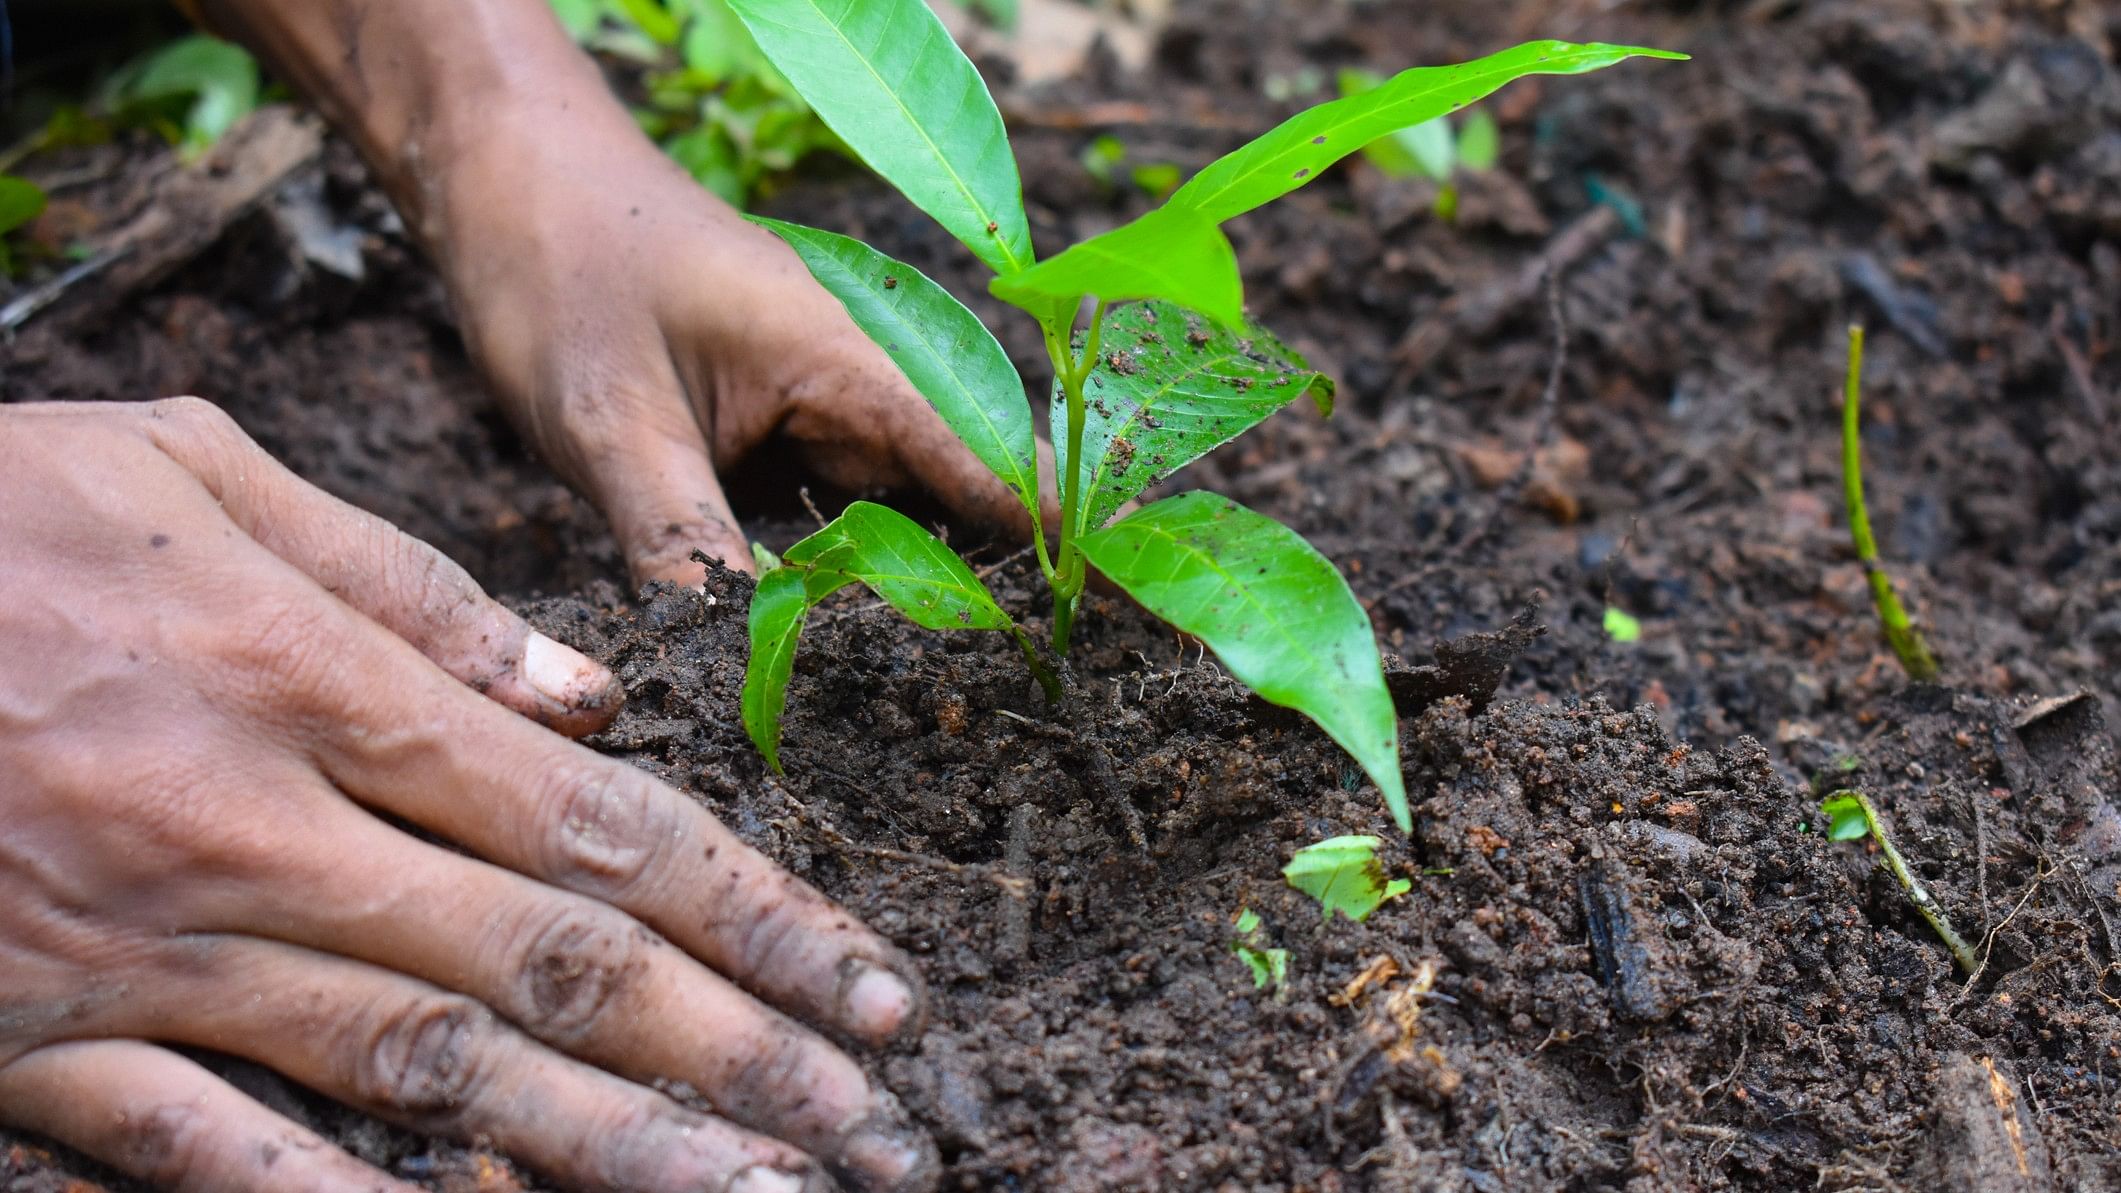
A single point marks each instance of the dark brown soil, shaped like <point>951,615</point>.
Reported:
<point>1649,970</point>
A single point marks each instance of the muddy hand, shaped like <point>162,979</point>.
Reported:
<point>643,334</point>
<point>640,332</point>
<point>221,692</point>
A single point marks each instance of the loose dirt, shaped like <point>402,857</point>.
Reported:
<point>1629,959</point>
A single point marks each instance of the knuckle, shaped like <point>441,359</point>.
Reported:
<point>194,415</point>
<point>771,926</point>
<point>576,970</point>
<point>426,1058</point>
<point>283,641</point>
<point>168,1145</point>
<point>768,1077</point>
<point>610,828</point>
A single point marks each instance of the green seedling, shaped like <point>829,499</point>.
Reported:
<point>1164,370</point>
<point>1622,626</point>
<point>1849,815</point>
<point>1434,149</point>
<point>1900,632</point>
<point>20,202</point>
<point>1103,158</point>
<point>1270,967</point>
<point>1344,875</point>
<point>192,90</point>
<point>711,99</point>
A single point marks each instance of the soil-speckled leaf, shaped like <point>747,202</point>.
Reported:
<point>784,598</point>
<point>1344,875</point>
<point>1161,255</point>
<point>886,77</point>
<point>868,544</point>
<point>943,349</point>
<point>1271,608</point>
<point>1170,388</point>
<point>1300,148</point>
<point>904,564</point>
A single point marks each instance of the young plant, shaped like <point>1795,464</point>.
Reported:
<point>1849,815</point>
<point>1165,370</point>
<point>20,202</point>
<point>711,99</point>
<point>1433,149</point>
<point>1344,875</point>
<point>1900,632</point>
<point>1269,966</point>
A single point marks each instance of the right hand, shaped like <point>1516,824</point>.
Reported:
<point>220,693</point>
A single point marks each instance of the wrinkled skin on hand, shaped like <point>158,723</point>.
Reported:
<point>221,694</point>
<point>643,334</point>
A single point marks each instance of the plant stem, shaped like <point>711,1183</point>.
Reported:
<point>1912,887</point>
<point>1072,372</point>
<point>1900,632</point>
<point>1047,679</point>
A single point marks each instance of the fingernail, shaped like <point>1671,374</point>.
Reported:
<point>874,1000</point>
<point>764,1178</point>
<point>884,1153</point>
<point>564,675</point>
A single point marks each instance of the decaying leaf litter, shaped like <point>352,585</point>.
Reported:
<point>1695,990</point>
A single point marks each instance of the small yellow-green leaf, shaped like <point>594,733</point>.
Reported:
<point>20,202</point>
<point>1620,625</point>
<point>1344,875</point>
<point>1161,255</point>
<point>1479,142</point>
<point>1848,816</point>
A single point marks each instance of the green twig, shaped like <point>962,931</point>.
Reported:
<point>1900,632</point>
<point>1850,815</point>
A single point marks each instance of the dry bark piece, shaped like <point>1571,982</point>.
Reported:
<point>186,211</point>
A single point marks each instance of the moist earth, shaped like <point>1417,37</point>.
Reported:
<point>1630,959</point>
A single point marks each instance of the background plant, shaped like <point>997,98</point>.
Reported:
<point>1900,632</point>
<point>1164,370</point>
<point>1434,149</point>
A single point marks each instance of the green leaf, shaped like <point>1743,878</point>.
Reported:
<point>1300,148</point>
<point>1848,816</point>
<point>1157,179</point>
<point>20,202</point>
<point>1344,875</point>
<point>653,20</point>
<point>220,78</point>
<point>1169,389</point>
<point>1274,611</point>
<point>1161,255</point>
<point>784,598</point>
<point>1479,142</point>
<point>869,544</point>
<point>944,350</point>
<point>1620,625</point>
<point>886,77</point>
<point>578,17</point>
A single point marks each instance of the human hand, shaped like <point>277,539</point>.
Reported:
<point>642,335</point>
<point>220,693</point>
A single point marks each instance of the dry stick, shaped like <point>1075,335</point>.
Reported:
<point>1900,633</point>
